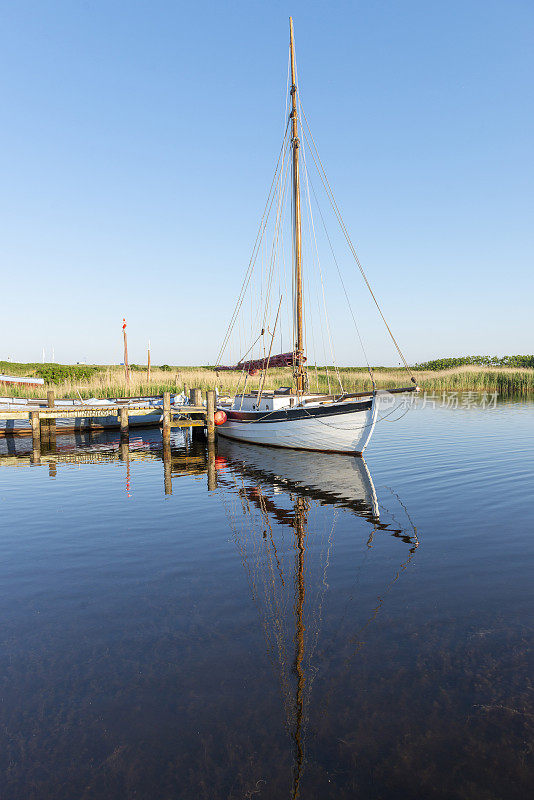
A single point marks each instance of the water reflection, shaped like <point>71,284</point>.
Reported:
<point>283,508</point>
<point>181,455</point>
<point>279,636</point>
<point>279,491</point>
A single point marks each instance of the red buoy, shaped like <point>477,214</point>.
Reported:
<point>219,417</point>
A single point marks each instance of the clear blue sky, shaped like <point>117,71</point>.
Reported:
<point>138,139</point>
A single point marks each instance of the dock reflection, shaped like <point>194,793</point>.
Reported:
<point>182,454</point>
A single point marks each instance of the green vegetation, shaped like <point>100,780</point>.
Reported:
<point>59,373</point>
<point>521,362</point>
<point>51,373</point>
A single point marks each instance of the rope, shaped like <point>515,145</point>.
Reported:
<point>358,427</point>
<point>250,348</point>
<point>255,249</point>
<point>328,424</point>
<point>276,240</point>
<point>320,270</point>
<point>369,368</point>
<point>262,307</point>
<point>330,195</point>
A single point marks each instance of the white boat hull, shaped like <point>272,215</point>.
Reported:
<point>347,432</point>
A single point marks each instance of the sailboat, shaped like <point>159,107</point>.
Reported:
<point>294,416</point>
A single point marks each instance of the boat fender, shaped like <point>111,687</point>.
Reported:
<point>220,417</point>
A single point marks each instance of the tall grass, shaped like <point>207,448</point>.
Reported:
<point>110,382</point>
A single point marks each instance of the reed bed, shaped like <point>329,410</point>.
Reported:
<point>109,382</point>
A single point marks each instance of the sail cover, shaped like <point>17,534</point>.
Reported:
<point>279,360</point>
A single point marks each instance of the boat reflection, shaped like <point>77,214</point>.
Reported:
<point>269,492</point>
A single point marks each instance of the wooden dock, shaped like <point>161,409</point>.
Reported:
<point>195,415</point>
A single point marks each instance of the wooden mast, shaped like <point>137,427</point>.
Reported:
<point>299,374</point>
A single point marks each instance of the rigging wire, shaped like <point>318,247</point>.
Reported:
<point>255,249</point>
<point>275,244</point>
<point>260,240</point>
<point>328,190</point>
<point>320,270</point>
<point>369,368</point>
<point>280,194</point>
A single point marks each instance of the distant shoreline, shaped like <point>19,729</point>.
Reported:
<point>80,380</point>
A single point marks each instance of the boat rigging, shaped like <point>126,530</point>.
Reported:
<point>296,417</point>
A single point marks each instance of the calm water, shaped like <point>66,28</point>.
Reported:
<point>309,626</point>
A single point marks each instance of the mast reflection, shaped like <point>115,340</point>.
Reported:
<point>267,492</point>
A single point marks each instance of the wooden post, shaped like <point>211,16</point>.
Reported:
<point>36,436</point>
<point>195,397</point>
<point>212,472</point>
<point>125,426</point>
<point>148,364</point>
<point>166,416</point>
<point>124,448</point>
<point>35,423</point>
<point>50,401</point>
<point>210,414</point>
<point>167,465</point>
<point>126,367</point>
<point>124,455</point>
<point>45,430</point>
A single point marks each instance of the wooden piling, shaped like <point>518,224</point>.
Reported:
<point>126,365</point>
<point>35,423</point>
<point>166,416</point>
<point>210,415</point>
<point>50,401</point>
<point>124,448</point>
<point>195,397</point>
<point>36,436</point>
<point>212,472</point>
<point>167,465</point>
<point>125,425</point>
